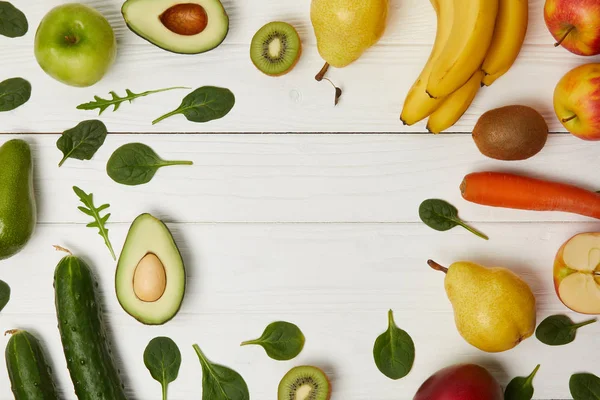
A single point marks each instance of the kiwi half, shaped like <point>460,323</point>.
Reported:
<point>304,383</point>
<point>276,48</point>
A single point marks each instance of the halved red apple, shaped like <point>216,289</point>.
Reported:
<point>577,273</point>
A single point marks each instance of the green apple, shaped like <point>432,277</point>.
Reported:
<point>75,44</point>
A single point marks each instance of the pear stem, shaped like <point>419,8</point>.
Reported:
<point>564,36</point>
<point>319,77</point>
<point>565,120</point>
<point>437,266</point>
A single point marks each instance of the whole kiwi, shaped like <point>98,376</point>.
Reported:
<point>511,133</point>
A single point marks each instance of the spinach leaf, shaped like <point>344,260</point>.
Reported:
<point>394,351</point>
<point>219,382</point>
<point>521,388</point>
<point>584,387</point>
<point>13,22</point>
<point>558,330</point>
<point>14,92</point>
<point>82,141</point>
<point>163,359</point>
<point>135,164</point>
<point>281,340</point>
<point>203,104</point>
<point>442,216</point>
<point>4,294</point>
<point>92,211</point>
<point>103,104</point>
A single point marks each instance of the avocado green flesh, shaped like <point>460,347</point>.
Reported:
<point>143,18</point>
<point>17,201</point>
<point>150,235</point>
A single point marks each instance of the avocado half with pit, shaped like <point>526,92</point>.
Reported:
<point>187,27</point>
<point>150,277</point>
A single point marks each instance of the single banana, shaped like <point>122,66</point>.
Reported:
<point>454,106</point>
<point>470,38</point>
<point>509,35</point>
<point>418,104</point>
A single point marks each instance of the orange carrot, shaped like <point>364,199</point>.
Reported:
<point>513,191</point>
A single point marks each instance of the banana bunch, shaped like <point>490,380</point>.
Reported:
<point>477,41</point>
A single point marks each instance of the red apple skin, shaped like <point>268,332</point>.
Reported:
<point>577,101</point>
<point>582,17</point>
<point>460,382</point>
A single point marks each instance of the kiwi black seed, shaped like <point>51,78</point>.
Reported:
<point>276,48</point>
<point>304,383</point>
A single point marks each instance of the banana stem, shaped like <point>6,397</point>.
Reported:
<point>565,120</point>
<point>567,33</point>
<point>437,266</point>
<point>319,77</point>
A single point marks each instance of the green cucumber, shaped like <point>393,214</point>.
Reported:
<point>83,335</point>
<point>30,376</point>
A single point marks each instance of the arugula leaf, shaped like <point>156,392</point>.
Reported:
<point>92,211</point>
<point>558,330</point>
<point>136,164</point>
<point>394,351</point>
<point>584,386</point>
<point>13,23</point>
<point>219,382</point>
<point>4,294</point>
<point>281,340</point>
<point>116,101</point>
<point>521,388</point>
<point>82,141</point>
<point>14,92</point>
<point>163,359</point>
<point>203,104</point>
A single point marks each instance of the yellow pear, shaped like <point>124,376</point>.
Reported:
<point>346,28</point>
<point>494,309</point>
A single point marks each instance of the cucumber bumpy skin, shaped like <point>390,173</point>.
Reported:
<point>30,376</point>
<point>83,335</point>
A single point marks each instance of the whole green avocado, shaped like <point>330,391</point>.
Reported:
<point>17,201</point>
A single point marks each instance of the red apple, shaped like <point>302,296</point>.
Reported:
<point>577,273</point>
<point>460,382</point>
<point>577,101</point>
<point>574,24</point>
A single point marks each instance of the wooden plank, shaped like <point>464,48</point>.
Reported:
<point>374,87</point>
<point>336,281</point>
<point>299,178</point>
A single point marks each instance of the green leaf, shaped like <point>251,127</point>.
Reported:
<point>163,359</point>
<point>92,211</point>
<point>136,164</point>
<point>102,104</point>
<point>13,22</point>
<point>4,294</point>
<point>281,340</point>
<point>204,104</point>
<point>394,351</point>
<point>442,216</point>
<point>521,388</point>
<point>82,141</point>
<point>585,387</point>
<point>558,330</point>
<point>219,382</point>
<point>14,92</point>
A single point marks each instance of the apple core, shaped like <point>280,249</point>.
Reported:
<point>186,19</point>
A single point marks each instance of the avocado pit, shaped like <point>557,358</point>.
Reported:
<point>185,19</point>
<point>149,279</point>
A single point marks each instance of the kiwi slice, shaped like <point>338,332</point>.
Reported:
<point>304,383</point>
<point>276,48</point>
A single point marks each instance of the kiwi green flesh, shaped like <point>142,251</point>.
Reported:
<point>275,48</point>
<point>304,383</point>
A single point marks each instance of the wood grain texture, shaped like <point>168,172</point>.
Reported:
<point>336,281</point>
<point>374,87</point>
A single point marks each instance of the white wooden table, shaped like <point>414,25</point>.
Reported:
<point>320,230</point>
